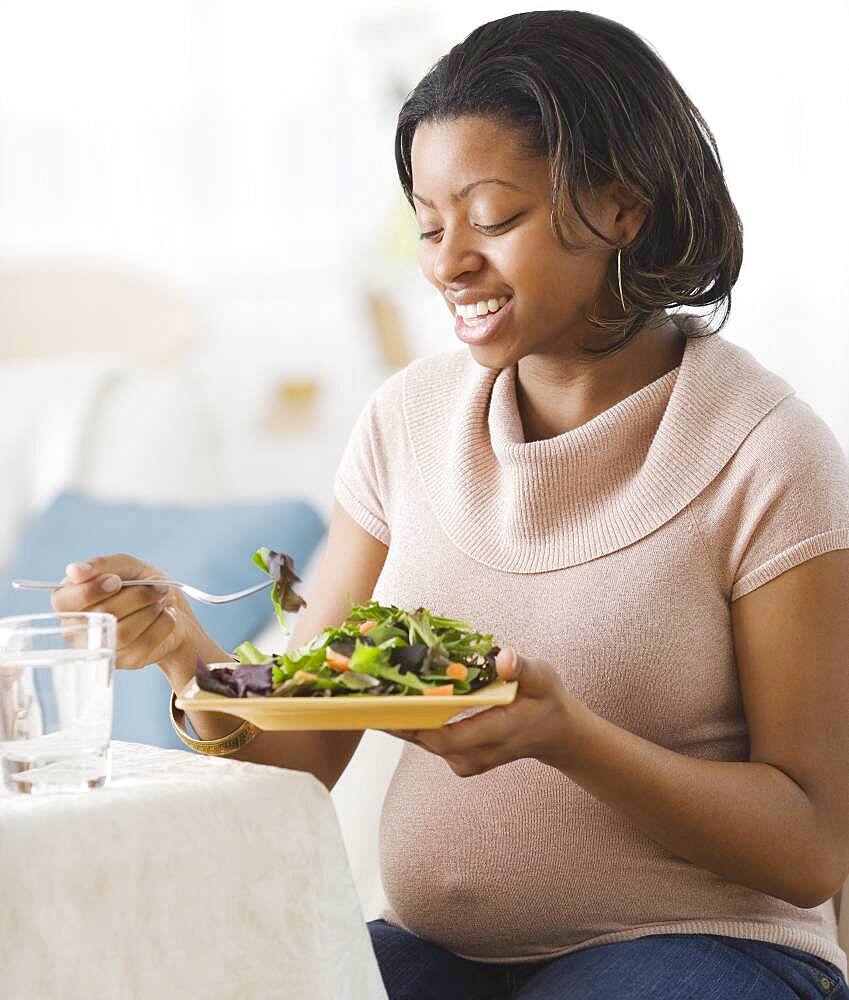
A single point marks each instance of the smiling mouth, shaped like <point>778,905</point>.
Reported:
<point>479,312</point>
<point>482,329</point>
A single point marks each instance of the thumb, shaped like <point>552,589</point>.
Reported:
<point>508,664</point>
<point>534,676</point>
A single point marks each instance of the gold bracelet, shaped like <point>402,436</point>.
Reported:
<point>218,748</point>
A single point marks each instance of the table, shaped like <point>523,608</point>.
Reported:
<point>187,876</point>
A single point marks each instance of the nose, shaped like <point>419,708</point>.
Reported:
<point>455,255</point>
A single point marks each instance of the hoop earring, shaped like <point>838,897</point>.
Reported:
<point>619,278</point>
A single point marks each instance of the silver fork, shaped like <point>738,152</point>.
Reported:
<point>198,595</point>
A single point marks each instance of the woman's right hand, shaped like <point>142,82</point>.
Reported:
<point>154,623</point>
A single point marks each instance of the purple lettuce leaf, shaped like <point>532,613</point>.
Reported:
<point>235,682</point>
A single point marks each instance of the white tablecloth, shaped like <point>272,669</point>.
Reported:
<point>186,877</point>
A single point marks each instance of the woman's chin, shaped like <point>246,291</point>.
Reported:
<point>494,355</point>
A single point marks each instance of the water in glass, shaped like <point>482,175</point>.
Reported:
<point>56,684</point>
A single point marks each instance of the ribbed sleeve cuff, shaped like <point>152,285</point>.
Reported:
<point>374,525</point>
<point>828,541</point>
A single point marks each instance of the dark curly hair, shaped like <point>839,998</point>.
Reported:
<point>593,98</point>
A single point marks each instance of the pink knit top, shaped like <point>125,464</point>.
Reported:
<point>613,551</point>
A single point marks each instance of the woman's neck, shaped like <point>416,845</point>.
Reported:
<point>556,395</point>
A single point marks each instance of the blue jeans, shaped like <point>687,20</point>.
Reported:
<point>656,967</point>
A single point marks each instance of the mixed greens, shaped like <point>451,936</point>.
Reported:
<point>376,650</point>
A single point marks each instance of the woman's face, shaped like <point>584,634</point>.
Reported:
<point>484,210</point>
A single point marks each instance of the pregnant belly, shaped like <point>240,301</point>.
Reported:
<point>521,862</point>
<point>483,864</point>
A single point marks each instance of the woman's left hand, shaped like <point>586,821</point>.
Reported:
<point>533,725</point>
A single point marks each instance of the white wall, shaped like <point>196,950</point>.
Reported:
<point>243,152</point>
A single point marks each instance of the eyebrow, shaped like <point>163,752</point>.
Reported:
<point>460,195</point>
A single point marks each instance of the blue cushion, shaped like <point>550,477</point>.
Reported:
<point>210,547</point>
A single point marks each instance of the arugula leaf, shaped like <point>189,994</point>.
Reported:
<point>406,681</point>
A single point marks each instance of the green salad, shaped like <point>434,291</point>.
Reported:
<point>377,650</point>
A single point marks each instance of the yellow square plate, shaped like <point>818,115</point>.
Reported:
<point>376,711</point>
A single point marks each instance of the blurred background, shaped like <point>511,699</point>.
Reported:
<point>206,266</point>
<point>205,192</point>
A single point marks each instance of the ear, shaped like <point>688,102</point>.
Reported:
<point>627,213</point>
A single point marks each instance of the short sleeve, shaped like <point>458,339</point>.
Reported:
<point>792,501</point>
<point>362,483</point>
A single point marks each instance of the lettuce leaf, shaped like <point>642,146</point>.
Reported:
<point>237,682</point>
<point>281,569</point>
<point>246,652</point>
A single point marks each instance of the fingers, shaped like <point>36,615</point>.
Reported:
<point>78,572</point>
<point>71,597</point>
<point>471,764</point>
<point>149,628</point>
<point>409,735</point>
<point>103,593</point>
<point>476,760</point>
<point>490,728</point>
<point>120,564</point>
<point>129,600</point>
<point>160,638</point>
<point>468,747</point>
<point>131,627</point>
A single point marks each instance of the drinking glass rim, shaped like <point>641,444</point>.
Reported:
<point>89,618</point>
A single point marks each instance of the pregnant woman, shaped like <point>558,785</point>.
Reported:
<point>653,526</point>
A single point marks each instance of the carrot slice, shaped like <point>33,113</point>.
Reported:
<point>338,661</point>
<point>443,689</point>
<point>367,626</point>
<point>457,670</point>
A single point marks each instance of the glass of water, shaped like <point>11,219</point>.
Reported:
<point>56,701</point>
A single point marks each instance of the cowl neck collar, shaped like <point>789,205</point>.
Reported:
<point>531,507</point>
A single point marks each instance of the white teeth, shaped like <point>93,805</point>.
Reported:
<point>481,308</point>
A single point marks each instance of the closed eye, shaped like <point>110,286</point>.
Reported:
<point>484,229</point>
